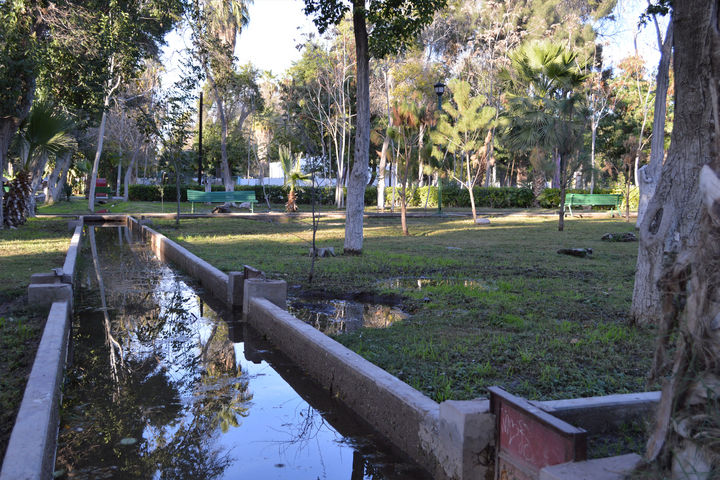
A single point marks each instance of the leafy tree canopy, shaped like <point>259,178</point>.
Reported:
<point>393,24</point>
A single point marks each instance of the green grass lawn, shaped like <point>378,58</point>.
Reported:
<point>540,324</point>
<point>38,246</point>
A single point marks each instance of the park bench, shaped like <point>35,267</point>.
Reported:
<point>596,199</point>
<point>221,197</point>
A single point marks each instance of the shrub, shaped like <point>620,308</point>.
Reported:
<point>453,196</point>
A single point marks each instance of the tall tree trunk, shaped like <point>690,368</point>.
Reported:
<point>8,127</point>
<point>101,131</point>
<point>119,176</point>
<point>673,212</point>
<point>35,182</point>
<point>563,182</point>
<point>648,175</point>
<point>381,174</point>
<point>593,138</point>
<point>470,184</point>
<point>227,178</point>
<point>421,176</point>
<point>358,176</point>
<point>56,181</point>
<point>684,439</point>
<point>386,144</point>
<point>128,173</point>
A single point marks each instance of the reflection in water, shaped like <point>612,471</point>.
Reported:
<point>408,283</point>
<point>341,316</point>
<point>161,387</point>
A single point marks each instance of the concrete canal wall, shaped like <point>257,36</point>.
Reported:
<point>30,454</point>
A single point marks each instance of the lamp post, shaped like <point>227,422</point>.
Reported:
<point>439,90</point>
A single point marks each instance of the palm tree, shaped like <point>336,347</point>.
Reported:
<point>293,174</point>
<point>544,113</point>
<point>45,133</point>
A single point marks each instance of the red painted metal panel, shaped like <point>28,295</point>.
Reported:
<point>530,439</point>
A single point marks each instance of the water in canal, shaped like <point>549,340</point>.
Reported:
<point>162,386</point>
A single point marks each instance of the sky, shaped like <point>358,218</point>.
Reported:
<point>277,26</point>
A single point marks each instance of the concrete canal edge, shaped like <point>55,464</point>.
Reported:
<point>31,450</point>
<point>453,440</point>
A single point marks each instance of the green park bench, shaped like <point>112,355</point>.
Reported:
<point>106,190</point>
<point>221,197</point>
<point>595,199</point>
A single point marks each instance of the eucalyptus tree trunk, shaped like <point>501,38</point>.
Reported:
<point>358,176</point>
<point>381,174</point>
<point>684,439</point>
<point>421,176</point>
<point>227,178</point>
<point>7,130</point>
<point>647,177</point>
<point>56,182</point>
<point>35,181</point>
<point>671,220</point>
<point>128,173</point>
<point>383,154</point>
<point>470,184</point>
<point>101,131</point>
<point>593,138</point>
<point>563,183</point>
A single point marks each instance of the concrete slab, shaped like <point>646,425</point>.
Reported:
<point>273,290</point>
<point>30,453</point>
<point>236,284</point>
<point>68,268</point>
<point>41,278</point>
<point>611,468</point>
<point>43,295</point>
<point>466,439</point>
<point>603,414</point>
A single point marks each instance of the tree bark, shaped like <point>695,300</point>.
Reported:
<point>686,421</point>
<point>381,174</point>
<point>593,138</point>
<point>673,212</point>
<point>386,144</point>
<point>358,176</point>
<point>470,185</point>
<point>35,182</point>
<point>56,181</point>
<point>7,131</point>
<point>101,134</point>
<point>648,175</point>
<point>128,173</point>
<point>227,178</point>
<point>563,182</point>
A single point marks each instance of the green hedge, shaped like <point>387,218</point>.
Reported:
<point>453,196</point>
